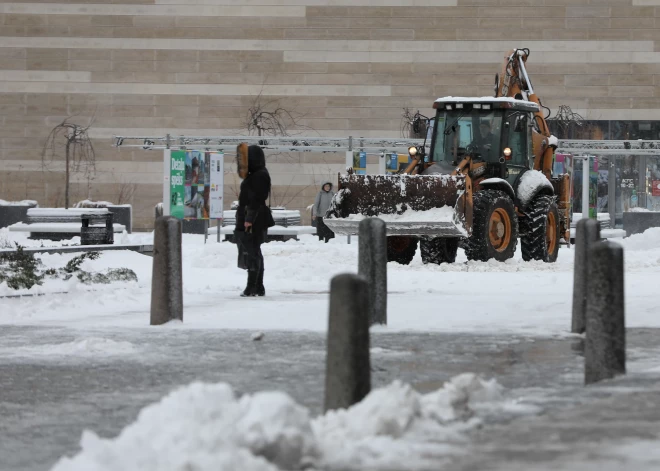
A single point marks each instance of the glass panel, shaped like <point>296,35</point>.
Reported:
<point>473,131</point>
<point>653,183</point>
<point>517,139</point>
<point>627,173</point>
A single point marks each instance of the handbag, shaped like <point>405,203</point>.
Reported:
<point>241,244</point>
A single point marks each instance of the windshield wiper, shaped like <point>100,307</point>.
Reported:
<point>450,129</point>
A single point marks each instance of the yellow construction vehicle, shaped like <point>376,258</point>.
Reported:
<point>485,182</point>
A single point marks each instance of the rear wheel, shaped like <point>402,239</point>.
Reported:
<point>540,230</point>
<point>401,249</point>
<point>494,227</point>
<point>439,250</point>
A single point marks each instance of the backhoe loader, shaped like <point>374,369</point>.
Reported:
<point>485,182</point>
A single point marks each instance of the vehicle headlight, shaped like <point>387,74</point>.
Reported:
<point>507,152</point>
<point>412,151</point>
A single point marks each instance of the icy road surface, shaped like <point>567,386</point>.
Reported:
<point>76,357</point>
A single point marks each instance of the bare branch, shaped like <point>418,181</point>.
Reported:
<point>79,153</point>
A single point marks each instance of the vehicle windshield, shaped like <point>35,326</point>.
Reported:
<point>467,131</point>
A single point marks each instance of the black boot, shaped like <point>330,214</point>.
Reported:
<point>261,291</point>
<point>251,288</point>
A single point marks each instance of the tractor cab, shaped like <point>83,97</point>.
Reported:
<point>493,131</point>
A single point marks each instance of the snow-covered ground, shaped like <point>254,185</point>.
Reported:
<point>207,426</point>
<point>523,297</point>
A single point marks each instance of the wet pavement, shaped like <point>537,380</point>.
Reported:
<point>47,400</point>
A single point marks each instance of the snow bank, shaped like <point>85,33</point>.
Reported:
<point>18,203</point>
<point>529,182</point>
<point>648,240</point>
<point>443,214</point>
<point>91,346</point>
<point>206,427</point>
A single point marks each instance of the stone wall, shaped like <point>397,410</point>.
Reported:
<point>346,67</point>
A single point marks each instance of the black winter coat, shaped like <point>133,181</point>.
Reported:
<point>254,192</point>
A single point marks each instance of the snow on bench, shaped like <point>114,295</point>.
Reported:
<point>64,215</point>
<point>275,230</point>
<point>58,227</point>
<point>62,221</point>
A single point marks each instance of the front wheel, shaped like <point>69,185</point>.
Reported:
<point>439,250</point>
<point>494,227</point>
<point>401,249</point>
<point>539,229</point>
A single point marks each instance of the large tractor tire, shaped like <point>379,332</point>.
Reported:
<point>439,250</point>
<point>539,239</point>
<point>494,227</point>
<point>401,249</point>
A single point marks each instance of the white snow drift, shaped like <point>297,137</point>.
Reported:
<point>206,427</point>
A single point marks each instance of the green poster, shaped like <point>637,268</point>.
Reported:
<point>177,179</point>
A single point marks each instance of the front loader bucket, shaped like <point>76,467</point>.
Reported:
<point>410,205</point>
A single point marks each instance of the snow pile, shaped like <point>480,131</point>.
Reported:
<point>18,203</point>
<point>82,347</point>
<point>206,427</point>
<point>397,428</point>
<point>443,214</point>
<point>530,181</point>
<point>94,204</point>
<point>648,240</point>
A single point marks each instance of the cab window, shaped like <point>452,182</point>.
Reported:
<point>518,138</point>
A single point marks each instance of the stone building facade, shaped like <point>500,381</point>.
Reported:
<point>151,67</point>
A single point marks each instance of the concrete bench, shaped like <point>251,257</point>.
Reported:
<point>93,225</point>
<point>275,233</point>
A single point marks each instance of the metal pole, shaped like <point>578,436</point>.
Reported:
<point>382,163</point>
<point>641,192</point>
<point>611,190</point>
<point>167,188</point>
<point>585,188</point>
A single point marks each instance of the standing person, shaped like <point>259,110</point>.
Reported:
<point>321,205</point>
<point>253,218</point>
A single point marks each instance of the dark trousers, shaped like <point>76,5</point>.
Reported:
<point>323,231</point>
<point>255,259</point>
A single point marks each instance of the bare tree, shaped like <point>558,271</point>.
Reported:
<point>270,118</point>
<point>79,154</point>
<point>566,121</point>
<point>413,125</point>
<point>126,191</point>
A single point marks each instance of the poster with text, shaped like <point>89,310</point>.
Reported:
<point>197,185</point>
<point>217,175</point>
<point>360,163</point>
<point>177,188</point>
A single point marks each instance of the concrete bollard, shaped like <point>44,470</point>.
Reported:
<point>348,368</point>
<point>167,280</point>
<point>605,346</point>
<point>587,233</point>
<point>372,265</point>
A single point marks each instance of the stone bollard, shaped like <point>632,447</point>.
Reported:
<point>372,265</point>
<point>167,281</point>
<point>605,346</point>
<point>587,233</point>
<point>348,369</point>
